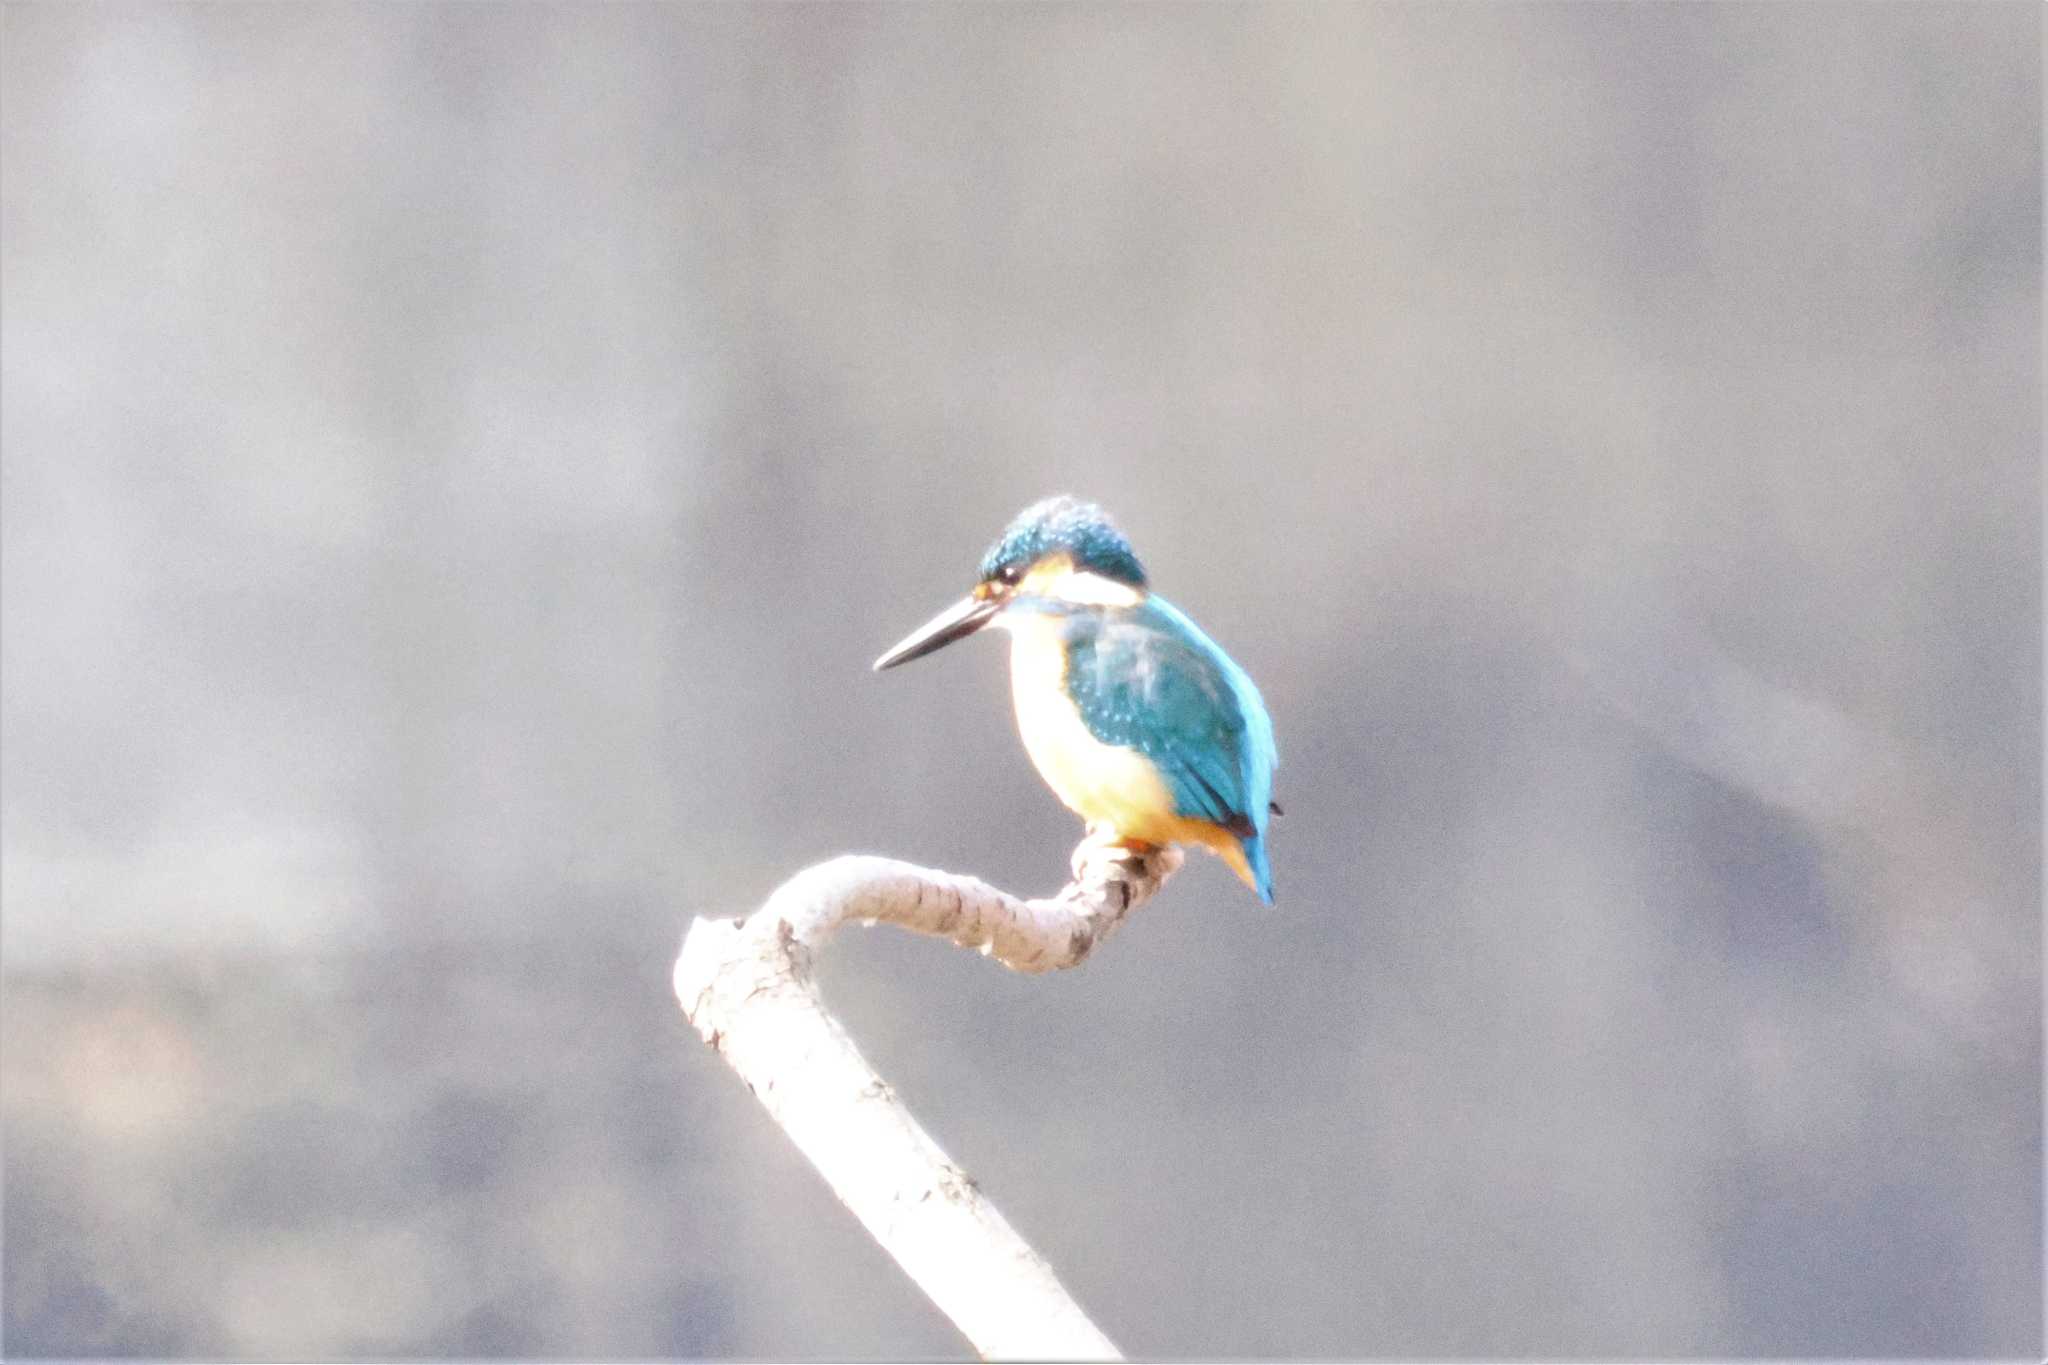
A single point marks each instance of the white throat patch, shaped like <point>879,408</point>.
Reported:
<point>1058,579</point>
<point>1092,589</point>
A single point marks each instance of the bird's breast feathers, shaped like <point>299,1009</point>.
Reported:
<point>1097,781</point>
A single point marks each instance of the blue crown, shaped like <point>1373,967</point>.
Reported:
<point>1066,525</point>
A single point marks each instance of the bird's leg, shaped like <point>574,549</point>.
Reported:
<point>1104,842</point>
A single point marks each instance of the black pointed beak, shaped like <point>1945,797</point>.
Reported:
<point>956,622</point>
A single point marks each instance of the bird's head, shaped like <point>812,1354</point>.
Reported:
<point>1059,554</point>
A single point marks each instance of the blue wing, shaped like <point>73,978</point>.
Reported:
<point>1149,679</point>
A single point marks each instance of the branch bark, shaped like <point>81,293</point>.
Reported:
<point>746,985</point>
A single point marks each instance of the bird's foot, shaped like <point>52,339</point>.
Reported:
<point>1105,849</point>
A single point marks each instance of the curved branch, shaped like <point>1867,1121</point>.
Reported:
<point>746,986</point>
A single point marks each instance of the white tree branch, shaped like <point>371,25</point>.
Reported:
<point>746,985</point>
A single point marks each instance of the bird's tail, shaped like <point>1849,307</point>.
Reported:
<point>1260,877</point>
<point>1244,854</point>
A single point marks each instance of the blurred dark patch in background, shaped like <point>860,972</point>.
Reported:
<point>460,460</point>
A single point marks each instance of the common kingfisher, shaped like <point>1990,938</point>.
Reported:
<point>1138,721</point>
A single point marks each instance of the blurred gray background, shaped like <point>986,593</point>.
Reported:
<point>460,461</point>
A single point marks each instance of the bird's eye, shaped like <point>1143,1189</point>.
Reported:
<point>1009,574</point>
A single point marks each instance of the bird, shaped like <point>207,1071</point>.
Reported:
<point>1136,719</point>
